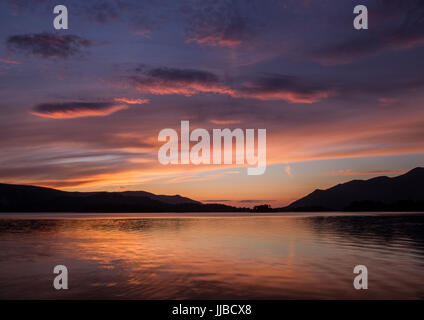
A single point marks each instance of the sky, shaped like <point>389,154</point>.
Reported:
<point>81,109</point>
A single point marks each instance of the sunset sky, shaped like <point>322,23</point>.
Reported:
<point>81,109</point>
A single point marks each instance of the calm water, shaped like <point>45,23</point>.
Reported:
<point>165,256</point>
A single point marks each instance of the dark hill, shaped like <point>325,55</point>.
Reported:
<point>20,198</point>
<point>402,193</point>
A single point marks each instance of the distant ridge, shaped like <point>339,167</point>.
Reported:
<point>23,198</point>
<point>401,193</point>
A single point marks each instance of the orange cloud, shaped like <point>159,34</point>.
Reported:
<point>289,96</point>
<point>182,88</point>
<point>216,41</point>
<point>224,122</point>
<point>132,100</point>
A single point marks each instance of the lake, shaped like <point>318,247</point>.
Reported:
<point>212,256</point>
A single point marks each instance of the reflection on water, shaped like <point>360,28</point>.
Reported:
<point>213,257</point>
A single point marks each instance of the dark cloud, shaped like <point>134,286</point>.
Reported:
<point>77,109</point>
<point>217,23</point>
<point>182,75</point>
<point>186,82</point>
<point>283,87</point>
<point>264,86</point>
<point>48,45</point>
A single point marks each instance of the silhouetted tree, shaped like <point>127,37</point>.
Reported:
<point>262,208</point>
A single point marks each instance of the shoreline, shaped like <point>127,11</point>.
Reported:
<point>178,215</point>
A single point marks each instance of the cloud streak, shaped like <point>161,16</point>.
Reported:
<point>224,122</point>
<point>282,87</point>
<point>8,61</point>
<point>48,45</point>
<point>74,110</point>
<point>132,100</point>
<point>188,82</point>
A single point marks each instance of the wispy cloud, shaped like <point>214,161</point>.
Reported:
<point>224,122</point>
<point>283,87</point>
<point>8,61</point>
<point>202,176</point>
<point>73,110</point>
<point>188,82</point>
<point>132,100</point>
<point>350,172</point>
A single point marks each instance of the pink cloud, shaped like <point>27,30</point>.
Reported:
<point>132,100</point>
<point>287,95</point>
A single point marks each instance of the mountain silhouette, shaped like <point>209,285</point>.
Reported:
<point>401,193</point>
<point>22,198</point>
